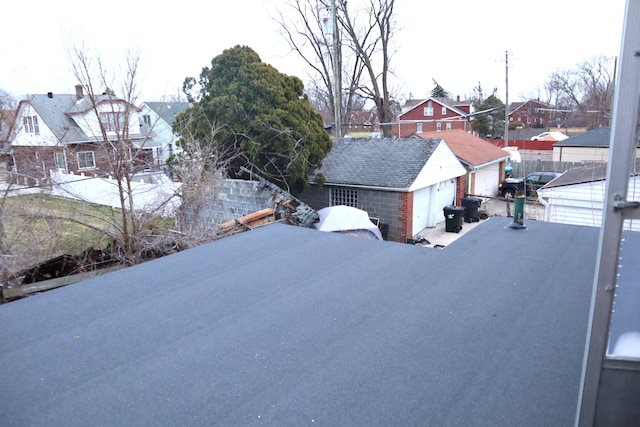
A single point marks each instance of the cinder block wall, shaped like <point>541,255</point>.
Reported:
<point>233,198</point>
<point>384,205</point>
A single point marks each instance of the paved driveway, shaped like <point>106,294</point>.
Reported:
<point>439,237</point>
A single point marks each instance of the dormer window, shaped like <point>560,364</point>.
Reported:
<point>111,121</point>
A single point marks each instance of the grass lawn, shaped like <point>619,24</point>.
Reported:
<point>38,227</point>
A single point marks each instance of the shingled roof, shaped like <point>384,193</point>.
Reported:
<point>585,174</point>
<point>377,162</point>
<point>469,149</point>
<point>52,110</point>
<point>598,137</point>
<point>167,111</point>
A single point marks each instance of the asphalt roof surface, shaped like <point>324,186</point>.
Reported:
<point>379,162</point>
<point>289,326</point>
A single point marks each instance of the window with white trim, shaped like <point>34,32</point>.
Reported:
<point>428,111</point>
<point>438,126</point>
<point>448,126</point>
<point>31,125</point>
<point>61,161</point>
<point>419,127</point>
<point>86,160</point>
<point>343,196</point>
<point>444,111</point>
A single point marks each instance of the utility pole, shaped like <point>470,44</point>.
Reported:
<point>337,89</point>
<point>506,99</point>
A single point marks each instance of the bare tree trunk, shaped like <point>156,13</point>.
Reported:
<point>373,40</point>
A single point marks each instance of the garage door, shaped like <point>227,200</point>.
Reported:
<point>428,204</point>
<point>446,197</point>
<point>486,181</point>
<point>421,202</point>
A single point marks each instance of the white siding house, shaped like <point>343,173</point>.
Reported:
<point>157,120</point>
<point>577,197</point>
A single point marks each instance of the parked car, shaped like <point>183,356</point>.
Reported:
<point>529,185</point>
<point>549,136</point>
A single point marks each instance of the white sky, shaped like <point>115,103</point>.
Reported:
<point>457,43</point>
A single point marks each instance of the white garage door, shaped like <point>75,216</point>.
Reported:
<point>428,204</point>
<point>486,181</point>
<point>421,206</point>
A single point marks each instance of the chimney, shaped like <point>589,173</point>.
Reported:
<point>79,94</point>
<point>49,94</point>
<point>458,98</point>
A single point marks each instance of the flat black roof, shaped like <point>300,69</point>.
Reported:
<point>290,326</point>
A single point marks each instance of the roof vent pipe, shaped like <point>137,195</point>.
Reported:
<point>79,93</point>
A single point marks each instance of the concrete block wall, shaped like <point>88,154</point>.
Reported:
<point>233,198</point>
<point>384,205</point>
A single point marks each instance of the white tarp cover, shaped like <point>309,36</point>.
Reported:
<point>347,219</point>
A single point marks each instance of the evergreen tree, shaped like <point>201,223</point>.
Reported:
<point>255,111</point>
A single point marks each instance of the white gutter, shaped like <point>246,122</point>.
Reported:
<point>367,187</point>
<point>547,213</point>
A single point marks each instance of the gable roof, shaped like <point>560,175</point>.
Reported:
<point>451,104</point>
<point>356,332</point>
<point>56,111</point>
<point>586,174</point>
<point>167,111</point>
<point>377,162</point>
<point>52,110</point>
<point>515,106</point>
<point>598,137</point>
<point>469,149</point>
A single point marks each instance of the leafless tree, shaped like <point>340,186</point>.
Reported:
<point>369,32</point>
<point>135,232</point>
<point>200,167</point>
<point>584,92</point>
<point>364,53</point>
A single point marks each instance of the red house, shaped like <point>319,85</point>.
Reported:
<point>433,114</point>
<point>529,114</point>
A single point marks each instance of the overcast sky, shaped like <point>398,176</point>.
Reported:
<point>456,43</point>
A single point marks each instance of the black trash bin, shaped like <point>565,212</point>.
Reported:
<point>453,218</point>
<point>471,205</point>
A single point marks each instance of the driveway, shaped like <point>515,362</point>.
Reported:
<point>439,237</point>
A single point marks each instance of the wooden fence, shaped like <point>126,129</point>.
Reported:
<point>527,166</point>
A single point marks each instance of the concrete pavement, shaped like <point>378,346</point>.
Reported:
<point>439,237</point>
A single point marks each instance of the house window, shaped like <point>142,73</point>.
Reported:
<point>444,111</point>
<point>61,162</point>
<point>343,196</point>
<point>428,110</point>
<point>438,126</point>
<point>31,125</point>
<point>146,119</point>
<point>448,125</point>
<point>111,121</point>
<point>419,127</point>
<point>86,160</point>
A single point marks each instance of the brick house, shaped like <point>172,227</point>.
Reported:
<point>65,133</point>
<point>433,114</point>
<point>405,183</point>
<point>529,114</point>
